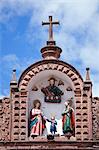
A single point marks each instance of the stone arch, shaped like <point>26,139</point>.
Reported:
<point>68,70</point>
<point>61,66</point>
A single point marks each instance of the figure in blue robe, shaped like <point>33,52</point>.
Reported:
<point>53,128</point>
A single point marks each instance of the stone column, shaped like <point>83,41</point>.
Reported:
<point>87,107</point>
<point>15,122</point>
<point>78,100</point>
<point>23,115</point>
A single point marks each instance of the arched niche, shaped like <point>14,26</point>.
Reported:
<point>41,80</point>
<point>37,75</point>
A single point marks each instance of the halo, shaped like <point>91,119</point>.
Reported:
<point>52,78</point>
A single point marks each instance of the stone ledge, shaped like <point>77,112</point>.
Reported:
<point>26,145</point>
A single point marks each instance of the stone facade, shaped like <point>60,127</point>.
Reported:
<point>5,119</point>
<point>14,111</point>
<point>95,117</point>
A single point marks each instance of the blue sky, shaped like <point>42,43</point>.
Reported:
<point>22,36</point>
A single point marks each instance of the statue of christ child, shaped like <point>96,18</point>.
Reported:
<point>53,128</point>
<point>37,120</point>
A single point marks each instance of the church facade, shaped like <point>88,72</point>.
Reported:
<point>53,82</point>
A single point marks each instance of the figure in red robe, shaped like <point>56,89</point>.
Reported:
<point>37,120</point>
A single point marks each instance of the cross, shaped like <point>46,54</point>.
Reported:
<point>50,23</point>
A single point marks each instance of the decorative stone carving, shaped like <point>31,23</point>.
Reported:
<point>54,65</point>
<point>5,118</point>
<point>95,115</point>
<point>68,89</point>
<point>34,88</point>
<point>60,83</point>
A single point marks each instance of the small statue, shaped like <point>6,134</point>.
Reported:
<point>52,92</point>
<point>53,125</point>
<point>37,120</point>
<point>68,121</point>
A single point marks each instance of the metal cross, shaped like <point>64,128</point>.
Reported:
<point>50,23</point>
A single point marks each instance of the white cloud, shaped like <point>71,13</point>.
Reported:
<point>11,61</point>
<point>10,57</point>
<point>78,19</point>
<point>8,63</point>
<point>1,96</point>
<point>89,56</point>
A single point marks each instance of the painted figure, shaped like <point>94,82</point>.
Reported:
<point>53,128</point>
<point>37,120</point>
<point>68,121</point>
<point>52,92</point>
